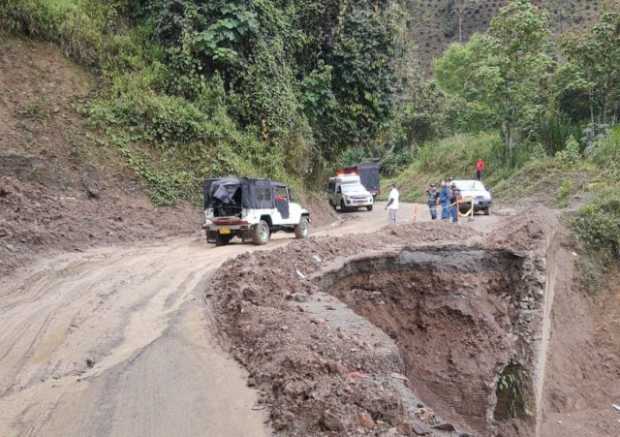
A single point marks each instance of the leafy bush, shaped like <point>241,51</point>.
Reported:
<point>606,151</point>
<point>571,154</point>
<point>598,224</point>
<point>566,188</point>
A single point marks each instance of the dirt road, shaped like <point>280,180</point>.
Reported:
<point>117,342</point>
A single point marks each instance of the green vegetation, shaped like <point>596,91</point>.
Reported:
<point>291,90</point>
<point>511,394</point>
<point>597,223</point>
<point>266,87</point>
<point>537,107</point>
<point>533,88</point>
<point>450,157</point>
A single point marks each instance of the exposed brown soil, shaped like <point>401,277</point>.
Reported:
<point>584,357</point>
<point>453,333</point>
<point>454,327</point>
<point>61,188</point>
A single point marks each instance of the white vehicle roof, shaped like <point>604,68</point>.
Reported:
<point>470,185</point>
<point>346,179</point>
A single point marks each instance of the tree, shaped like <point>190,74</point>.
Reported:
<point>593,67</point>
<point>505,72</point>
<point>461,6</point>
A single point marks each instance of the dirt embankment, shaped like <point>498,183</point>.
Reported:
<point>61,187</point>
<point>386,345</point>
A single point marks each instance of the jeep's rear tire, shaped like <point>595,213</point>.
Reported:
<point>261,233</point>
<point>222,240</point>
<point>302,229</point>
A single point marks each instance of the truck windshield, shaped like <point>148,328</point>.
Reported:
<point>351,188</point>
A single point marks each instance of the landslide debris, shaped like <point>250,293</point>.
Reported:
<point>324,369</point>
<point>61,187</point>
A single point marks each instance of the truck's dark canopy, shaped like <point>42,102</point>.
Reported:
<point>368,173</point>
<point>240,192</point>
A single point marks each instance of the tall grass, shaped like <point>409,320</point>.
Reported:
<point>454,157</point>
<point>78,26</point>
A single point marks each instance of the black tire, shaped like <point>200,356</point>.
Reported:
<point>487,211</point>
<point>261,233</point>
<point>222,240</point>
<point>302,230</point>
<point>369,207</point>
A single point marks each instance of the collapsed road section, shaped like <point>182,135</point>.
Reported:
<point>411,331</point>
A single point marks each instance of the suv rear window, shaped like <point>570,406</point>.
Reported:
<point>263,195</point>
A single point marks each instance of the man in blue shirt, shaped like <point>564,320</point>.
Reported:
<point>444,200</point>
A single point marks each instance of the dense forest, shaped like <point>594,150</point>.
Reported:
<point>279,88</point>
<point>293,89</point>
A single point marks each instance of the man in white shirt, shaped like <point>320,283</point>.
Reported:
<point>392,205</point>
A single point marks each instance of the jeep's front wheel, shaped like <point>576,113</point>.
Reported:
<point>302,229</point>
<point>261,233</point>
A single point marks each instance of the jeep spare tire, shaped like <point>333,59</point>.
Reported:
<point>261,233</point>
<point>302,229</point>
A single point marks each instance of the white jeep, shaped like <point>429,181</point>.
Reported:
<point>251,209</point>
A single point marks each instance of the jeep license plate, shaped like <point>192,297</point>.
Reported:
<point>225,231</point>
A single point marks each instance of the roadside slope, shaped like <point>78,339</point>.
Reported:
<point>62,187</point>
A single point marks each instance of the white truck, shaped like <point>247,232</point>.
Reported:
<point>251,209</point>
<point>347,193</point>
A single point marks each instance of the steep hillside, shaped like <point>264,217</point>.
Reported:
<point>61,186</point>
<point>437,23</point>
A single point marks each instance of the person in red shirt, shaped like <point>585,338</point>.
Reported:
<point>479,169</point>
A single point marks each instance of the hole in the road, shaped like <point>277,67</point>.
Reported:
<point>457,316</point>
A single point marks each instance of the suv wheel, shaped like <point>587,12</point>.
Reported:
<point>369,207</point>
<point>261,233</point>
<point>302,229</point>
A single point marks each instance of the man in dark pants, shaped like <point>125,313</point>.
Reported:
<point>455,200</point>
<point>432,200</point>
<point>444,200</point>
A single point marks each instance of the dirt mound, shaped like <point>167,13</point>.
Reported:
<point>525,231</point>
<point>36,219</point>
<point>319,376</point>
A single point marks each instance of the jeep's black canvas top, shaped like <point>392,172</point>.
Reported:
<point>237,192</point>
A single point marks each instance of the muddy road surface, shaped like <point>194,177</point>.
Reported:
<point>119,342</point>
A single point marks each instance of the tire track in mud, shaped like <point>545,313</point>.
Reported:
<point>126,303</point>
<point>111,342</point>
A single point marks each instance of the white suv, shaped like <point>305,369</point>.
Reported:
<point>475,192</point>
<point>348,193</point>
<point>251,209</point>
